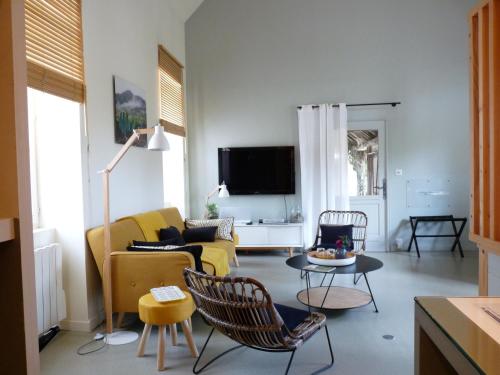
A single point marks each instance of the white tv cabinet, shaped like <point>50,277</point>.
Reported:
<point>288,236</point>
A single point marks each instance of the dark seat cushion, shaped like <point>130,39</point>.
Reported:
<point>291,316</point>
<point>331,233</point>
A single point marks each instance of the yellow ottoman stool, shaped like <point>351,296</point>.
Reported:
<point>154,313</point>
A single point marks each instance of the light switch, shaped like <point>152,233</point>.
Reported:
<point>398,172</point>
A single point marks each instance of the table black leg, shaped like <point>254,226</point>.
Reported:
<point>457,237</point>
<point>415,237</point>
<point>356,280</point>
<point>307,291</point>
<point>371,294</point>
<point>412,234</point>
<point>324,276</point>
<point>328,290</point>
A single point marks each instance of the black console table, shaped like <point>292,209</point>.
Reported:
<point>414,220</point>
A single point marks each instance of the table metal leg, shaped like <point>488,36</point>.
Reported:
<point>327,290</point>
<point>307,289</point>
<point>412,234</point>
<point>457,237</point>
<point>371,294</point>
<point>357,279</point>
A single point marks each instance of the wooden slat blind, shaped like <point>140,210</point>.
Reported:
<point>484,24</point>
<point>54,47</point>
<point>171,93</point>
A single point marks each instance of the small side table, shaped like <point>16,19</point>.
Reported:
<point>414,220</point>
<point>154,313</point>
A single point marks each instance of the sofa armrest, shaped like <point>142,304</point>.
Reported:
<point>133,274</point>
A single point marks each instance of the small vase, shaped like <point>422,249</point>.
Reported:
<point>340,253</point>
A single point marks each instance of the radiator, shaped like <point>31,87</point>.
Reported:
<point>50,298</point>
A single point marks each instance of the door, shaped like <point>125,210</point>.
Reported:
<point>367,178</point>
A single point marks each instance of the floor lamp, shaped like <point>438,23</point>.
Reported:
<point>158,142</point>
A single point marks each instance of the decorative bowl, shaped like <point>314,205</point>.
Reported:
<point>312,257</point>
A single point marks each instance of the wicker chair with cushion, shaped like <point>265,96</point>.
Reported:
<point>358,219</point>
<point>242,309</point>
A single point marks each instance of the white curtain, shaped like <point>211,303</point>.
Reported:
<point>323,163</point>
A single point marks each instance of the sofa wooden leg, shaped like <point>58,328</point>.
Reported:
<point>162,343</point>
<point>144,340</point>
<point>173,333</point>
<point>237,264</point>
<point>290,251</point>
<point>189,338</point>
<point>119,320</point>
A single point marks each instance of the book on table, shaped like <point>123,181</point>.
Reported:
<point>318,268</point>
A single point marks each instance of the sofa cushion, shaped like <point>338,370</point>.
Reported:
<point>150,224</point>
<point>172,217</point>
<point>224,226</point>
<point>172,233</point>
<point>227,246</point>
<point>122,232</point>
<point>202,234</point>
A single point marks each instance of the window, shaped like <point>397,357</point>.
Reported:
<point>54,47</point>
<point>171,93</point>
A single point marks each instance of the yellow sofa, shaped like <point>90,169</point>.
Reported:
<point>135,273</point>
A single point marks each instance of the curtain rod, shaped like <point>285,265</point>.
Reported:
<point>392,104</point>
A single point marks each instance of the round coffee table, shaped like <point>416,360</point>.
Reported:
<point>336,297</point>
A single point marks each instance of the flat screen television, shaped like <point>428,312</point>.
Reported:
<point>257,170</point>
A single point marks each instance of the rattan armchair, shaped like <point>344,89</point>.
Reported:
<point>359,221</point>
<point>242,309</point>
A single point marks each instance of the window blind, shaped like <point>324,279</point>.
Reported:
<point>54,47</point>
<point>171,93</point>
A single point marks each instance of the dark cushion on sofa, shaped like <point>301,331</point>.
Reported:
<point>199,234</point>
<point>194,250</point>
<point>172,233</point>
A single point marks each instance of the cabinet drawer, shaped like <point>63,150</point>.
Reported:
<point>283,235</point>
<point>252,235</point>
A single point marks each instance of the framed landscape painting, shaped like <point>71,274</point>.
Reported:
<point>130,111</point>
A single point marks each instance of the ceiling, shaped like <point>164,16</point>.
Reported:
<point>184,8</point>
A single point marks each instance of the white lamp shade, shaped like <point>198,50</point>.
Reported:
<point>223,192</point>
<point>158,141</point>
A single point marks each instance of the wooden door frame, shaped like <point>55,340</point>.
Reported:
<point>17,266</point>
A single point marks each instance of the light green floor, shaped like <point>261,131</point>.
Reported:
<point>357,334</point>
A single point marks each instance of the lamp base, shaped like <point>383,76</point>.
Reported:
<point>121,337</point>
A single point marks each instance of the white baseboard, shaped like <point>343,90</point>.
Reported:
<point>83,325</point>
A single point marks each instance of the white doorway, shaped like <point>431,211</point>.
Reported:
<point>367,178</point>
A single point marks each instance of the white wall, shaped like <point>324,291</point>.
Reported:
<point>252,62</point>
<point>120,38</point>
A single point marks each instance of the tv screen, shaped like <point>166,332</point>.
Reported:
<point>257,170</point>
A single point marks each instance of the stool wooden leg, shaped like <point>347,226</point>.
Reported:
<point>189,338</point>
<point>173,333</point>
<point>162,342</point>
<point>190,324</point>
<point>144,340</point>
<point>119,320</point>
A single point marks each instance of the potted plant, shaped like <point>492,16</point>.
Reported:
<point>212,211</point>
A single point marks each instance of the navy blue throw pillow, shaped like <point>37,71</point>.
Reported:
<point>199,234</point>
<point>330,234</point>
<point>171,233</point>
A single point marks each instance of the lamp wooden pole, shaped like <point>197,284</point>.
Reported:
<point>106,269</point>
